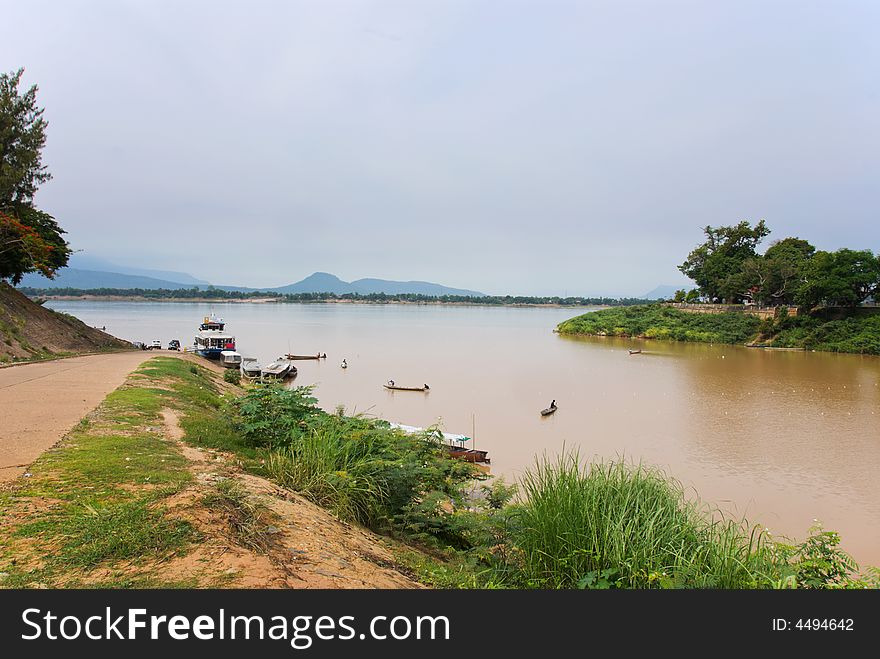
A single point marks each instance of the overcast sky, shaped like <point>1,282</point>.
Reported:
<point>523,147</point>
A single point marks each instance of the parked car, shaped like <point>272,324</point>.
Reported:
<point>156,345</point>
<point>174,344</point>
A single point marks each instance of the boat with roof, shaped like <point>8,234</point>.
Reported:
<point>211,339</point>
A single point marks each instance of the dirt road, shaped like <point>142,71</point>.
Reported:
<point>41,402</point>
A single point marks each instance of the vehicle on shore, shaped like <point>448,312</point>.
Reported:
<point>174,344</point>
<point>156,345</point>
<point>211,339</point>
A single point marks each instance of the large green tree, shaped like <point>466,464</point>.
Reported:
<point>844,278</point>
<point>30,240</point>
<point>716,264</point>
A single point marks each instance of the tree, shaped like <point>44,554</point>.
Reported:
<point>22,137</point>
<point>786,269</point>
<point>844,278</point>
<point>30,240</point>
<point>713,264</point>
<point>31,244</point>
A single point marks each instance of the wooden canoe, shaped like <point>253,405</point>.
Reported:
<point>635,352</point>
<point>396,388</point>
<point>548,410</point>
<point>317,356</point>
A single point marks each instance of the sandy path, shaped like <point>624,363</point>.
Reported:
<point>40,403</point>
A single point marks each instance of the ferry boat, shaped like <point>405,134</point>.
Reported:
<point>211,339</point>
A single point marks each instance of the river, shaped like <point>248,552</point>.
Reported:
<point>782,438</point>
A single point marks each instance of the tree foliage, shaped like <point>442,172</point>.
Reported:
<point>22,137</point>
<point>30,239</point>
<point>727,268</point>
<point>716,263</point>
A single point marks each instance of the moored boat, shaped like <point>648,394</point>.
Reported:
<point>278,369</point>
<point>453,443</point>
<point>250,368</point>
<point>211,339</point>
<point>230,359</point>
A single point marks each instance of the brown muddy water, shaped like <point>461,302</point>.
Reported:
<point>782,438</point>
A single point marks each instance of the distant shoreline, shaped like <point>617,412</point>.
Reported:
<point>273,300</point>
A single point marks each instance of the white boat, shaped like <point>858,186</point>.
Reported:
<point>211,339</point>
<point>279,369</point>
<point>230,359</point>
<point>250,368</point>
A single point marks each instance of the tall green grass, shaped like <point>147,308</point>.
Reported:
<point>334,472</point>
<point>612,524</point>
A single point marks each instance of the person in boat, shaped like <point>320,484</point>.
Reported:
<point>427,387</point>
<point>391,383</point>
<point>552,403</point>
<point>344,364</point>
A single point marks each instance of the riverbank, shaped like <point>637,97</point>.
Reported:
<point>152,489</point>
<point>31,332</point>
<point>182,480</point>
<point>850,331</point>
<point>278,300</point>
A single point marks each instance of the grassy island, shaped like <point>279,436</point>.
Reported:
<point>853,330</point>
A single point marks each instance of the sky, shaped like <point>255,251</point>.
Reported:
<point>542,147</point>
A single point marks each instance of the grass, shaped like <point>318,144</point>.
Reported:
<point>626,526</point>
<point>333,472</point>
<point>831,330</point>
<point>88,535</point>
<point>248,520</point>
<point>101,493</point>
<point>659,322</point>
<point>828,331</point>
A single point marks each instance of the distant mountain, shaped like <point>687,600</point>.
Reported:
<point>318,282</point>
<point>76,278</point>
<point>324,282</point>
<point>87,262</point>
<point>664,292</point>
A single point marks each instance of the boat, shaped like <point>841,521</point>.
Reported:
<point>250,368</point>
<point>547,411</point>
<point>468,454</point>
<point>278,369</point>
<point>635,352</point>
<point>211,339</point>
<point>453,443</point>
<point>300,357</point>
<point>394,387</point>
<point>230,359</point>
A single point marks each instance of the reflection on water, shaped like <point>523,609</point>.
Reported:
<point>783,437</point>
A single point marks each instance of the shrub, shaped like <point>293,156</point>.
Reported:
<point>231,375</point>
<point>271,416</point>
